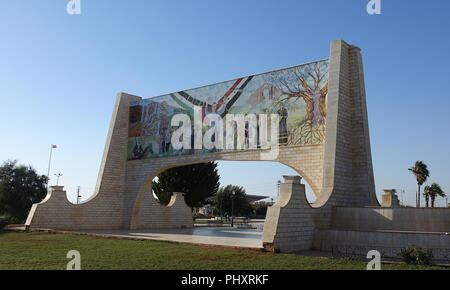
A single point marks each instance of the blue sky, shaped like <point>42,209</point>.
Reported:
<point>59,74</point>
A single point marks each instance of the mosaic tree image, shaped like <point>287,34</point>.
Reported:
<point>310,84</point>
<point>297,94</point>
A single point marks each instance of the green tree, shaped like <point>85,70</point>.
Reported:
<point>222,201</point>
<point>261,210</point>
<point>198,182</point>
<point>426,194</point>
<point>421,173</point>
<point>20,187</point>
<point>433,191</point>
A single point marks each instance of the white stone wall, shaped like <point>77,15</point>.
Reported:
<point>338,171</point>
<point>389,244</point>
<point>391,219</point>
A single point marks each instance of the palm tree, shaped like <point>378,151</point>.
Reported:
<point>435,190</point>
<point>427,194</point>
<point>421,173</point>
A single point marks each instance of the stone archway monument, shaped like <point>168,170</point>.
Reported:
<point>311,117</point>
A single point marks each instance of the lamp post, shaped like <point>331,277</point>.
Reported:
<point>233,193</point>
<point>57,178</point>
<point>401,196</point>
<point>49,163</point>
<point>78,195</point>
<point>278,185</point>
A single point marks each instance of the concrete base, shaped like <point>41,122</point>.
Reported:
<point>356,230</point>
<point>388,243</point>
<point>391,219</point>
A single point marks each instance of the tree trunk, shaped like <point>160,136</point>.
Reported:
<point>418,196</point>
<point>318,117</point>
<point>432,201</point>
<point>309,109</point>
<point>313,111</point>
<point>426,200</point>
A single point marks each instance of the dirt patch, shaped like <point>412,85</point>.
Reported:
<point>29,241</point>
<point>210,259</point>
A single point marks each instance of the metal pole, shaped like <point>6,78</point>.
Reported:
<point>232,209</point>
<point>57,178</point>
<point>78,195</point>
<point>49,162</point>
<point>278,184</point>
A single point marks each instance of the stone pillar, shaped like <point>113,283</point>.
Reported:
<point>47,216</point>
<point>289,224</point>
<point>389,198</point>
<point>347,171</point>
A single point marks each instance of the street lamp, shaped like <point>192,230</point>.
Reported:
<point>57,178</point>
<point>78,195</point>
<point>278,185</point>
<point>402,192</point>
<point>49,163</point>
<point>233,193</point>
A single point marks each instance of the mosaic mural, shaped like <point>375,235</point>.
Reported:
<point>297,94</point>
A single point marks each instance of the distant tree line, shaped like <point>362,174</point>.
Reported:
<point>200,185</point>
<point>421,172</point>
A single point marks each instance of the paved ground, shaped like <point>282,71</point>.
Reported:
<point>222,236</point>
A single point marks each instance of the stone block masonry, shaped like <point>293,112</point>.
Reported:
<point>339,172</point>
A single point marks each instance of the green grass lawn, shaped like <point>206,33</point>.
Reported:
<point>41,250</point>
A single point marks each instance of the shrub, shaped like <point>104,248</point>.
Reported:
<point>424,256</point>
<point>408,256</point>
<point>3,223</point>
<point>8,220</point>
<point>416,256</point>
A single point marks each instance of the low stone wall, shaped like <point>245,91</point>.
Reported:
<point>389,244</point>
<point>394,219</point>
<point>57,213</point>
